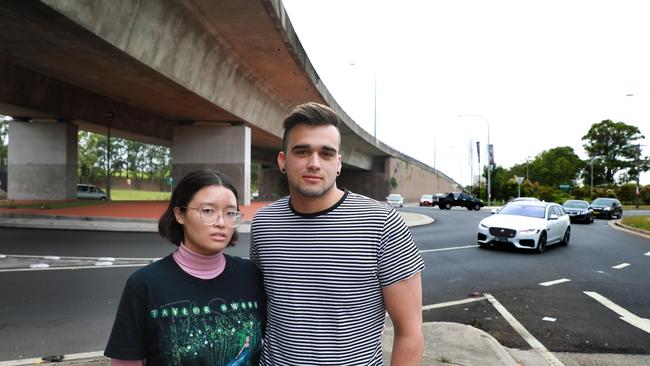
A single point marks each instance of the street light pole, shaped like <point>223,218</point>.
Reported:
<point>489,191</point>
<point>375,111</point>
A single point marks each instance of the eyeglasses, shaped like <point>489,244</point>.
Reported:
<point>210,216</point>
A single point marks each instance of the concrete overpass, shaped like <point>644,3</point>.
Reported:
<point>211,79</point>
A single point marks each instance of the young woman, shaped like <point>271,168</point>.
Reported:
<point>197,305</point>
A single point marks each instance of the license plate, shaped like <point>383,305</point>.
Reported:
<point>501,239</point>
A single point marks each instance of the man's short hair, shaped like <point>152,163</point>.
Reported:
<point>311,114</point>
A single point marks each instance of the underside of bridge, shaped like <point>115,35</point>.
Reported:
<point>172,73</point>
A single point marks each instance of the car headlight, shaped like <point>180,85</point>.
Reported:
<point>584,212</point>
<point>482,225</point>
<point>529,231</point>
<point>607,208</point>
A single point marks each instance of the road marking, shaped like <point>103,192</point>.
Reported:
<point>77,267</point>
<point>551,283</point>
<point>33,361</point>
<point>516,325</point>
<point>452,303</point>
<point>82,258</point>
<point>648,254</point>
<point>621,266</point>
<point>626,316</point>
<point>450,248</point>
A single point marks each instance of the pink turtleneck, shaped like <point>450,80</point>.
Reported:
<point>198,265</point>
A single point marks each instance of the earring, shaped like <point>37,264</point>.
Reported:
<point>282,170</point>
<point>338,173</point>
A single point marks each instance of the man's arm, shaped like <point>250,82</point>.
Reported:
<point>404,304</point>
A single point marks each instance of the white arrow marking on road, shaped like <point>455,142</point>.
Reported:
<point>550,283</point>
<point>626,316</point>
<point>648,254</point>
<point>621,266</point>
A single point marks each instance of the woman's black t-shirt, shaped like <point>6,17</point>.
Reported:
<point>168,317</point>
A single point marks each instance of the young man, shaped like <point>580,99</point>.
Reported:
<point>333,261</point>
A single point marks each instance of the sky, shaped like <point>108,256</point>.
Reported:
<point>537,73</point>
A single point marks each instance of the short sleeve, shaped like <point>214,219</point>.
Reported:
<point>398,257</point>
<point>127,336</point>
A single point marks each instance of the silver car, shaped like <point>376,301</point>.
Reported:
<point>395,200</point>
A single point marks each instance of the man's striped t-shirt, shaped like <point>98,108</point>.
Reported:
<point>324,274</point>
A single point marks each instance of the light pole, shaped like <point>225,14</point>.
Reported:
<point>591,186</point>
<point>489,191</point>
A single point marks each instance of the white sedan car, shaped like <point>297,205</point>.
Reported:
<point>526,225</point>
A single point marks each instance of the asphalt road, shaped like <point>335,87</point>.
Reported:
<point>71,311</point>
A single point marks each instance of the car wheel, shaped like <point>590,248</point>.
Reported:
<point>477,207</point>
<point>484,245</point>
<point>447,206</point>
<point>541,243</point>
<point>468,208</point>
<point>567,237</point>
<point>591,220</point>
<point>103,199</point>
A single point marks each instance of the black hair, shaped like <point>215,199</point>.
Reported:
<point>183,193</point>
<point>311,114</point>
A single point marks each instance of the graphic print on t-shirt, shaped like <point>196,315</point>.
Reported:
<point>218,332</point>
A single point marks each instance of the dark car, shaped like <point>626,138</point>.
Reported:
<point>607,208</point>
<point>446,202</point>
<point>579,211</point>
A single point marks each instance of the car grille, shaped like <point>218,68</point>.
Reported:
<point>502,232</point>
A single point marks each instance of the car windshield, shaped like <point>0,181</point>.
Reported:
<point>393,197</point>
<point>427,196</point>
<point>523,210</point>
<point>602,201</point>
<point>575,204</point>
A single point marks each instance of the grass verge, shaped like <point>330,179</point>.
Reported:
<point>132,195</point>
<point>639,222</point>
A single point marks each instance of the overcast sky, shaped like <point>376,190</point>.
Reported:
<point>540,72</point>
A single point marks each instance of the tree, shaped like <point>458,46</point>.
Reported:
<point>4,140</point>
<point>614,145</point>
<point>559,165</point>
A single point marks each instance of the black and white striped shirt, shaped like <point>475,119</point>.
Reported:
<point>323,275</point>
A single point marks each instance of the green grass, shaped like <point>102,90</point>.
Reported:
<point>639,222</point>
<point>633,207</point>
<point>133,195</point>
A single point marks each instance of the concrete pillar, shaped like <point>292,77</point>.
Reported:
<point>209,146</point>
<point>272,183</point>
<point>42,161</point>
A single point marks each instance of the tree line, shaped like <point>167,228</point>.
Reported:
<point>128,159</point>
<point>614,156</point>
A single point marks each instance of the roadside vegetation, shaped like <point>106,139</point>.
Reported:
<point>558,174</point>
<point>639,222</point>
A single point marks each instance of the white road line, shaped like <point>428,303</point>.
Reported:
<point>78,267</point>
<point>81,258</point>
<point>621,266</point>
<point>34,361</point>
<point>450,248</point>
<point>648,254</point>
<point>516,325</point>
<point>626,316</point>
<point>551,283</point>
<point>452,303</point>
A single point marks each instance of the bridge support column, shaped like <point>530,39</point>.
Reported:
<point>272,183</point>
<point>210,146</point>
<point>42,161</point>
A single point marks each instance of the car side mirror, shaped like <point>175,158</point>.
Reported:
<point>386,198</point>
<point>493,211</point>
<point>553,217</point>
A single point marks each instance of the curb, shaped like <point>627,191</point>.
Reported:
<point>629,229</point>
